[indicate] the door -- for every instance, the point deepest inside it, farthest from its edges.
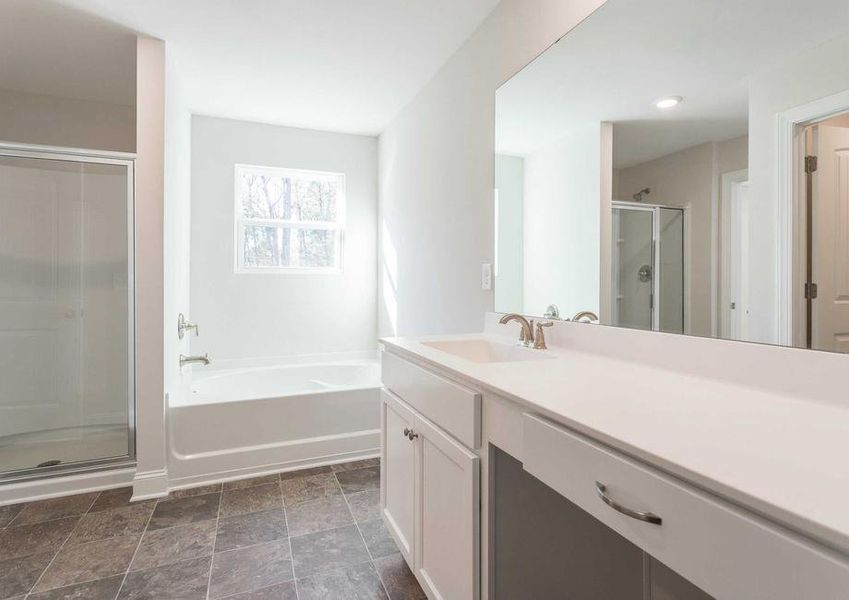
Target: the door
(398, 475)
(633, 270)
(830, 243)
(447, 553)
(40, 300)
(734, 290)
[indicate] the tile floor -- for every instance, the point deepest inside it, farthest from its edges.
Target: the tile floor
(303, 535)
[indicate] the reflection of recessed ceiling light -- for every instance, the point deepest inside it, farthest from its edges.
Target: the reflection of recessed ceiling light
(669, 102)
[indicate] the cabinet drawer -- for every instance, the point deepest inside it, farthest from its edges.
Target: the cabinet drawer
(724, 550)
(453, 407)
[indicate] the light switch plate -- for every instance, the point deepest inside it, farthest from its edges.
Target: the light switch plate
(486, 276)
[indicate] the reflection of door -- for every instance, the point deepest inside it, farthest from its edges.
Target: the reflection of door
(633, 270)
(648, 267)
(39, 295)
(734, 291)
(830, 247)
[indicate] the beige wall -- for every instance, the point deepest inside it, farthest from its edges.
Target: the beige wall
(690, 179)
(151, 478)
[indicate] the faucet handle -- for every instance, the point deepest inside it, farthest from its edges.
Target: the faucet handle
(539, 336)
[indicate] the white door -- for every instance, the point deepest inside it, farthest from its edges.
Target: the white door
(398, 475)
(40, 296)
(447, 552)
(830, 327)
(734, 290)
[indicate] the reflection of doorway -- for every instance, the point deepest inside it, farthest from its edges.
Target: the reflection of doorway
(827, 267)
(734, 254)
(648, 267)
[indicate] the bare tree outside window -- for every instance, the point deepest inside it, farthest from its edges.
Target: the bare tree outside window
(288, 219)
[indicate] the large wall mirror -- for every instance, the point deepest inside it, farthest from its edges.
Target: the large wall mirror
(682, 167)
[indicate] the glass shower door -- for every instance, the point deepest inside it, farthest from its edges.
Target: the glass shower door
(633, 271)
(65, 311)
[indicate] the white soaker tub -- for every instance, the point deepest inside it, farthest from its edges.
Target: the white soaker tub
(248, 419)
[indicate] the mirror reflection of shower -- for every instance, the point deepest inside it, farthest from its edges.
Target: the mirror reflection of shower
(648, 266)
(638, 197)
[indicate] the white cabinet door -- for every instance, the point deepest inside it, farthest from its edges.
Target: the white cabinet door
(398, 475)
(448, 526)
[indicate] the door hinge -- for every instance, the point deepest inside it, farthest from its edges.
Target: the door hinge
(810, 291)
(810, 164)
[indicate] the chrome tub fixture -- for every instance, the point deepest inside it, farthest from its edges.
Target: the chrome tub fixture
(186, 360)
(184, 325)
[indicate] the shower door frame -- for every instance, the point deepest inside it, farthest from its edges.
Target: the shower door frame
(655, 258)
(126, 159)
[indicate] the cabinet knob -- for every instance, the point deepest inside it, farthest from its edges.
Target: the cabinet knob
(410, 434)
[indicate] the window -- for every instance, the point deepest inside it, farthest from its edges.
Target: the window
(288, 221)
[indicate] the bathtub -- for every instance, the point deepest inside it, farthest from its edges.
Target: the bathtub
(241, 420)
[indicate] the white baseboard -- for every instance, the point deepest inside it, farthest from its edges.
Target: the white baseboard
(150, 484)
(80, 483)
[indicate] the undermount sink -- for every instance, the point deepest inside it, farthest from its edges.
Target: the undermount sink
(485, 351)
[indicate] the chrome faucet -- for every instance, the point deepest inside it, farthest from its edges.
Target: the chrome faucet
(585, 316)
(185, 360)
(526, 336)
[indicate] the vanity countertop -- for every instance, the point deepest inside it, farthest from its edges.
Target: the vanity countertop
(779, 456)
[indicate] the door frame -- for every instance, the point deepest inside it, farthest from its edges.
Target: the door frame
(791, 220)
(126, 159)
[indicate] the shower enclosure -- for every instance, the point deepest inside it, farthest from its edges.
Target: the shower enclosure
(66, 311)
(648, 267)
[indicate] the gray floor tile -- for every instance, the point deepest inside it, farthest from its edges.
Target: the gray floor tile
(365, 506)
(316, 515)
(195, 491)
(305, 472)
(186, 580)
(356, 464)
(398, 579)
(117, 498)
(251, 499)
(359, 480)
(359, 581)
(282, 591)
(329, 550)
(377, 538)
(130, 520)
(182, 511)
(102, 589)
(86, 562)
(55, 508)
(36, 538)
(165, 546)
(18, 575)
(251, 568)
(240, 484)
(250, 529)
(309, 487)
(9, 512)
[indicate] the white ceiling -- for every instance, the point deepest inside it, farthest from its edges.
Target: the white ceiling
(338, 65)
(615, 65)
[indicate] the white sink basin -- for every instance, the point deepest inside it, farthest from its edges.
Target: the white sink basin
(485, 351)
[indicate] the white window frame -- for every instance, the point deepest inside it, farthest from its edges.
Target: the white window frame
(242, 222)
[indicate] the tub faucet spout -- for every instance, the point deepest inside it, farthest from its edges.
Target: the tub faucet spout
(185, 360)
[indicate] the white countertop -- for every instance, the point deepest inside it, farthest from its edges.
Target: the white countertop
(783, 457)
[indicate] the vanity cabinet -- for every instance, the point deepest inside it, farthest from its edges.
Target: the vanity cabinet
(430, 500)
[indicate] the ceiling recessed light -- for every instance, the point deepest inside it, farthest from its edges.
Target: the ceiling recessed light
(669, 102)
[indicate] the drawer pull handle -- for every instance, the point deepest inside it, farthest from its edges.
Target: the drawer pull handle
(648, 517)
